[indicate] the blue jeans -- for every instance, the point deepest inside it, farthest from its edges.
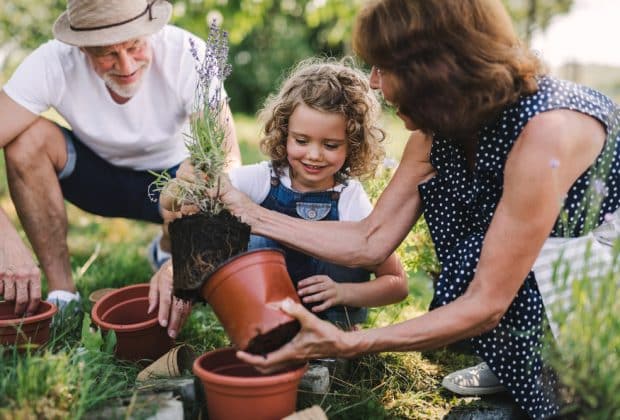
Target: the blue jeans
(98, 187)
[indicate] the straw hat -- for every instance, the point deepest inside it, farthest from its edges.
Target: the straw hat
(89, 23)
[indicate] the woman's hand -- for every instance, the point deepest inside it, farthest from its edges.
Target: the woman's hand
(321, 288)
(172, 311)
(316, 339)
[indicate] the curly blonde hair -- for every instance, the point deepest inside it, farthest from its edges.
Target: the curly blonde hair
(327, 85)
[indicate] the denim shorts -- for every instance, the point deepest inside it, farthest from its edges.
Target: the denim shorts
(96, 186)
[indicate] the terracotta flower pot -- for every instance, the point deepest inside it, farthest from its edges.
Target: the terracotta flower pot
(235, 390)
(243, 293)
(34, 329)
(138, 334)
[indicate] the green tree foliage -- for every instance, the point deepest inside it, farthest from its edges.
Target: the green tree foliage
(28, 23)
(533, 15)
(266, 36)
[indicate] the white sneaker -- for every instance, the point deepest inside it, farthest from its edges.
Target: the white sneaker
(156, 256)
(61, 298)
(472, 381)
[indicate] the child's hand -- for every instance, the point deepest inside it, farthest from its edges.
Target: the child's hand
(320, 288)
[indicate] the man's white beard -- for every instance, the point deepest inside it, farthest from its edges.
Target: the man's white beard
(125, 90)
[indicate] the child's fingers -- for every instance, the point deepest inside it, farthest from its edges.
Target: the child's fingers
(310, 290)
(309, 281)
(317, 297)
(315, 287)
(323, 306)
(324, 296)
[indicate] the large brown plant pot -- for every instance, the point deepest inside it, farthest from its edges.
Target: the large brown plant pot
(24, 331)
(200, 244)
(235, 390)
(244, 293)
(138, 334)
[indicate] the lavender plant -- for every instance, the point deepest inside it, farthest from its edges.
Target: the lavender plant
(206, 141)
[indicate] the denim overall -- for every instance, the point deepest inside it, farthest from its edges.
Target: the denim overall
(321, 205)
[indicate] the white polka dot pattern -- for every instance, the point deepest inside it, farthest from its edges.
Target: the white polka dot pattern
(459, 204)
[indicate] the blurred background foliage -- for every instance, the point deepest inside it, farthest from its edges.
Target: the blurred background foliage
(266, 36)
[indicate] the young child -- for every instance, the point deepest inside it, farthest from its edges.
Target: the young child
(320, 133)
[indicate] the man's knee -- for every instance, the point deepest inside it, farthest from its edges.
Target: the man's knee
(42, 140)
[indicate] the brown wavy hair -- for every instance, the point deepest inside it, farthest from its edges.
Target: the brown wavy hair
(327, 85)
(456, 63)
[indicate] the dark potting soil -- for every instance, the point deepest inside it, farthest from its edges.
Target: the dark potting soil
(274, 339)
(200, 243)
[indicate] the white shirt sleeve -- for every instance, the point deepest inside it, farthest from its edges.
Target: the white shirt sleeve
(253, 180)
(38, 81)
(354, 203)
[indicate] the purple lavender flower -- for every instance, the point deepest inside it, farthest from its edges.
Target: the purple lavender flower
(213, 68)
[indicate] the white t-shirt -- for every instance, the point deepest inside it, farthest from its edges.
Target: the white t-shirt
(255, 181)
(144, 133)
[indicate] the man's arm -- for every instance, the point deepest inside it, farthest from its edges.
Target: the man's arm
(20, 278)
(14, 119)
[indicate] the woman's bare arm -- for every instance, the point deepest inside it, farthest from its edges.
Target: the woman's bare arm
(365, 243)
(533, 187)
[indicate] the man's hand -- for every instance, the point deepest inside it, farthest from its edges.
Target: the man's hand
(172, 311)
(237, 202)
(20, 278)
(321, 288)
(316, 339)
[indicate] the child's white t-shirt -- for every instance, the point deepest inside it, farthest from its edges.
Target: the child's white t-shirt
(255, 181)
(144, 133)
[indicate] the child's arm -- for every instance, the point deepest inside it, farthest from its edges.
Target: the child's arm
(389, 286)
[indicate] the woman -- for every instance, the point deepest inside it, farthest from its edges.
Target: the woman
(498, 150)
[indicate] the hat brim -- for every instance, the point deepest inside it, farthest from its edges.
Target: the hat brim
(143, 26)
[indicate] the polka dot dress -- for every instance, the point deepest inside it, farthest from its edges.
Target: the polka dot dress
(459, 204)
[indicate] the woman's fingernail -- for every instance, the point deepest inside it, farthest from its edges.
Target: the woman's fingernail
(163, 322)
(172, 333)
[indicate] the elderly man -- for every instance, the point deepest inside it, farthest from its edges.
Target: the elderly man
(124, 80)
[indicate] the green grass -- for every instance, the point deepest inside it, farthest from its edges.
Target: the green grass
(111, 253)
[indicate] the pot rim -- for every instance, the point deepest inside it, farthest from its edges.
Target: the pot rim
(49, 311)
(136, 326)
(208, 286)
(242, 254)
(247, 382)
